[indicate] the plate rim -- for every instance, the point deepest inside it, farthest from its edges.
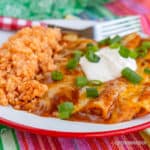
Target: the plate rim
(55, 133)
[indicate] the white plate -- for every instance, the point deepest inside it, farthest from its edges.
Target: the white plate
(56, 127)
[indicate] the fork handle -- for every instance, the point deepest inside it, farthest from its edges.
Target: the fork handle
(87, 32)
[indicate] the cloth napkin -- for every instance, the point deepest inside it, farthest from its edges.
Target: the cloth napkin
(45, 9)
(11, 139)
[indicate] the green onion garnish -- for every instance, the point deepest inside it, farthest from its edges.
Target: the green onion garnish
(131, 75)
(133, 54)
(95, 82)
(115, 45)
(142, 51)
(56, 75)
(91, 92)
(146, 44)
(77, 54)
(81, 81)
(91, 56)
(124, 52)
(65, 110)
(72, 63)
(116, 39)
(104, 41)
(147, 70)
(92, 47)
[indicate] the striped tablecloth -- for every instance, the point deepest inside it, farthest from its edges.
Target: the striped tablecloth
(13, 139)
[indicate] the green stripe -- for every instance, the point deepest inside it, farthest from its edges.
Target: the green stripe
(3, 126)
(1, 144)
(7, 138)
(104, 12)
(16, 140)
(3, 129)
(8, 141)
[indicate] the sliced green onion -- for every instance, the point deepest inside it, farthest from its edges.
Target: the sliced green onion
(130, 75)
(116, 39)
(72, 63)
(77, 54)
(95, 82)
(56, 75)
(115, 45)
(147, 70)
(104, 41)
(81, 81)
(133, 54)
(91, 92)
(92, 57)
(65, 110)
(146, 44)
(124, 52)
(92, 47)
(142, 51)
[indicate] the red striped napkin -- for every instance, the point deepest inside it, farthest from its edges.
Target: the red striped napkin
(9, 23)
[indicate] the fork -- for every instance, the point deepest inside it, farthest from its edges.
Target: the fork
(89, 29)
(99, 31)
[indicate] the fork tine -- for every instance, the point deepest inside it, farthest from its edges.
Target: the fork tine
(128, 32)
(120, 20)
(119, 30)
(120, 27)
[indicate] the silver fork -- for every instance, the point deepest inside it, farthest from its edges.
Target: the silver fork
(99, 31)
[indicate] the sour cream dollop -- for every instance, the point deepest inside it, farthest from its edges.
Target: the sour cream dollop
(109, 67)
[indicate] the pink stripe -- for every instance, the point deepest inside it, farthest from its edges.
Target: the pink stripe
(113, 143)
(136, 142)
(82, 143)
(28, 23)
(20, 141)
(134, 5)
(148, 24)
(130, 139)
(145, 25)
(107, 143)
(121, 139)
(66, 143)
(56, 143)
(24, 140)
(125, 138)
(92, 143)
(28, 138)
(97, 144)
(119, 9)
(4, 25)
(118, 143)
(14, 23)
(45, 142)
(35, 142)
(51, 143)
(39, 137)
